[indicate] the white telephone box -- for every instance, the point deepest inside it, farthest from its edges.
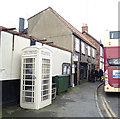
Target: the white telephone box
(36, 78)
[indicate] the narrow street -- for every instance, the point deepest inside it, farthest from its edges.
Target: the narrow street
(76, 102)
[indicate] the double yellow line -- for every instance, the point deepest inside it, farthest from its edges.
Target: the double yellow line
(107, 108)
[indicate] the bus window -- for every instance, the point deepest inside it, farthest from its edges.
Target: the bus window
(114, 34)
(114, 62)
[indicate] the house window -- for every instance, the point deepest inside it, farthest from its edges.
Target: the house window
(101, 51)
(93, 53)
(66, 69)
(77, 45)
(88, 50)
(83, 47)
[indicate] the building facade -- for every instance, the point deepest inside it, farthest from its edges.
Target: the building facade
(94, 41)
(48, 24)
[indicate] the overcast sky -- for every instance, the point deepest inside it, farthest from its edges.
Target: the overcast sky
(98, 14)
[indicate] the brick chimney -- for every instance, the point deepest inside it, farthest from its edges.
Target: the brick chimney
(85, 28)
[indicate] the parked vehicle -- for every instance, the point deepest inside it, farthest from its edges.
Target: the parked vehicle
(112, 62)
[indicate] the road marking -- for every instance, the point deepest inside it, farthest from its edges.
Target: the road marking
(99, 111)
(107, 108)
(96, 98)
(108, 113)
(114, 115)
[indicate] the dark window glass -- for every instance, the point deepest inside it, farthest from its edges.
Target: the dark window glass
(28, 88)
(28, 76)
(28, 93)
(45, 97)
(114, 34)
(114, 62)
(45, 92)
(32, 42)
(28, 99)
(28, 82)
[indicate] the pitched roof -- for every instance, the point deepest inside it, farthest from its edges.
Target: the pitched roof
(72, 28)
(10, 30)
(90, 36)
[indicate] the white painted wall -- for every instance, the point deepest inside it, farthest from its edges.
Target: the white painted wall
(6, 55)
(10, 60)
(19, 44)
(58, 58)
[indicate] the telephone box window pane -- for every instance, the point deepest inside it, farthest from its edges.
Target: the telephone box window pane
(28, 99)
(45, 76)
(28, 93)
(45, 97)
(28, 79)
(29, 60)
(45, 81)
(45, 92)
(28, 88)
(28, 71)
(28, 82)
(45, 87)
(29, 66)
(28, 76)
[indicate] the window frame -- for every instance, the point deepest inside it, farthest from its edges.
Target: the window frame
(89, 50)
(112, 60)
(117, 36)
(77, 45)
(93, 52)
(67, 65)
(82, 47)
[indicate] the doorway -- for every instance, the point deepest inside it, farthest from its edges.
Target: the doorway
(83, 71)
(75, 74)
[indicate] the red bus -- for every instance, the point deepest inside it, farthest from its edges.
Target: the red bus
(112, 62)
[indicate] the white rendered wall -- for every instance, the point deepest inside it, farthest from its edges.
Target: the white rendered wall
(10, 59)
(58, 58)
(6, 55)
